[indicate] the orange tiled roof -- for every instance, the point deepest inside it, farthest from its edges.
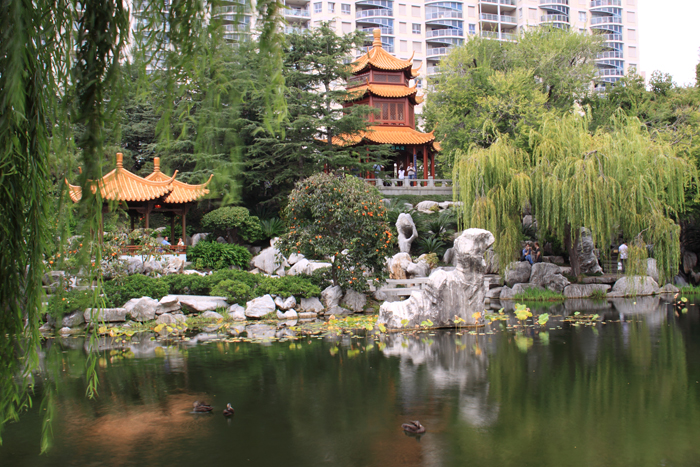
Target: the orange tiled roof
(380, 58)
(382, 90)
(386, 135)
(182, 192)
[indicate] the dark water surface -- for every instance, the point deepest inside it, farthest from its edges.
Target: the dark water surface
(623, 393)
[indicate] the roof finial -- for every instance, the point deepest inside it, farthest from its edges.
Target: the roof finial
(119, 160)
(377, 38)
(156, 164)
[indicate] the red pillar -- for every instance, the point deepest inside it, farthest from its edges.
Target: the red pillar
(425, 162)
(432, 165)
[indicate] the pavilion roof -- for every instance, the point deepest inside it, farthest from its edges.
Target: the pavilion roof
(385, 90)
(182, 192)
(380, 59)
(387, 135)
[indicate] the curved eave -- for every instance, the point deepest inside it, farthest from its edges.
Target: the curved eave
(181, 192)
(387, 135)
(380, 59)
(383, 90)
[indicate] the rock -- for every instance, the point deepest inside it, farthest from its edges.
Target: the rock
(46, 327)
(180, 317)
(142, 309)
(259, 307)
(312, 304)
(449, 256)
(188, 272)
(338, 311)
(604, 279)
(652, 270)
(529, 222)
(669, 288)
(354, 300)
(285, 304)
(175, 266)
(492, 262)
(236, 312)
(315, 265)
(166, 318)
(134, 265)
(260, 331)
(221, 240)
(493, 280)
(517, 272)
(428, 207)
(558, 260)
(74, 319)
(446, 204)
(331, 296)
(407, 232)
(418, 269)
(201, 303)
(447, 293)
(168, 304)
(300, 267)
(547, 275)
(152, 267)
(294, 258)
(695, 277)
(290, 314)
(211, 315)
(566, 271)
(108, 315)
(680, 281)
(584, 290)
(269, 260)
(398, 265)
(690, 260)
(636, 285)
(586, 253)
(494, 294)
(53, 277)
(65, 330)
(307, 315)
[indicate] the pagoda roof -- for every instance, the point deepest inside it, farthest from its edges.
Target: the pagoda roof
(385, 90)
(182, 192)
(380, 59)
(123, 185)
(387, 135)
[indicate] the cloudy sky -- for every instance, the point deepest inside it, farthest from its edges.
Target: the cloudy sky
(669, 35)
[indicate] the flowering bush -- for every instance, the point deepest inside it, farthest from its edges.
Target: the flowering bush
(342, 219)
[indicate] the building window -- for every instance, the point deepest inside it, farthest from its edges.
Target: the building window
(404, 46)
(402, 28)
(347, 28)
(632, 68)
(418, 47)
(416, 28)
(633, 52)
(318, 7)
(582, 16)
(472, 12)
(632, 34)
(345, 8)
(631, 17)
(415, 11)
(331, 7)
(389, 111)
(472, 29)
(520, 12)
(402, 9)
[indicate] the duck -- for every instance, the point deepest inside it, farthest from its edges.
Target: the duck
(201, 407)
(228, 411)
(413, 427)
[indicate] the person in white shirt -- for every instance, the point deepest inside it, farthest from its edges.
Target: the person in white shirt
(402, 174)
(623, 255)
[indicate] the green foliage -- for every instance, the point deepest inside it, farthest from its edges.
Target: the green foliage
(522, 312)
(187, 284)
(636, 263)
(118, 292)
(432, 245)
(321, 278)
(288, 285)
(690, 290)
(216, 255)
(234, 291)
(273, 227)
(250, 279)
(598, 295)
(66, 302)
(539, 295)
(343, 219)
(234, 222)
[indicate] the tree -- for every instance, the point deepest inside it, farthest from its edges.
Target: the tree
(235, 222)
(616, 181)
(342, 219)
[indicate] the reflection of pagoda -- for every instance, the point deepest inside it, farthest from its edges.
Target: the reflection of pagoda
(156, 192)
(382, 81)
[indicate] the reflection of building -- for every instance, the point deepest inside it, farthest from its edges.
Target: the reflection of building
(382, 81)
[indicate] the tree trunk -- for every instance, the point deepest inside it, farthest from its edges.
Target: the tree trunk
(572, 250)
(334, 269)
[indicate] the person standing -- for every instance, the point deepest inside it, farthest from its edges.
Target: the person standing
(411, 173)
(623, 256)
(402, 174)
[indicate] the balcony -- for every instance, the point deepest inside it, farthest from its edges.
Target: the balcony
(291, 30)
(502, 2)
(554, 19)
(433, 69)
(444, 33)
(437, 51)
(497, 19)
(371, 13)
(609, 72)
(443, 14)
(612, 37)
(385, 31)
(599, 3)
(606, 20)
(554, 2)
(612, 54)
(297, 12)
(504, 36)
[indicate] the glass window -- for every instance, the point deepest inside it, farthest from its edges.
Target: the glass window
(402, 28)
(582, 16)
(520, 12)
(415, 11)
(402, 9)
(418, 47)
(331, 7)
(318, 7)
(347, 28)
(345, 8)
(416, 28)
(472, 29)
(404, 46)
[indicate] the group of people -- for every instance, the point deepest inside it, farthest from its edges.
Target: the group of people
(410, 174)
(531, 253)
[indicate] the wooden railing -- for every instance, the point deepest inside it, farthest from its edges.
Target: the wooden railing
(134, 250)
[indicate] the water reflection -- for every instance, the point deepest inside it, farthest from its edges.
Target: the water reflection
(622, 392)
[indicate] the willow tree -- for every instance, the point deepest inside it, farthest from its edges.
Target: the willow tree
(615, 181)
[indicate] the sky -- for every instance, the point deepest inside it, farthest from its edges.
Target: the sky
(669, 37)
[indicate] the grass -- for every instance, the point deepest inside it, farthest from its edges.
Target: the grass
(690, 290)
(539, 295)
(415, 199)
(598, 295)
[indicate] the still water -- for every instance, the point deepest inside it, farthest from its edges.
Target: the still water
(624, 392)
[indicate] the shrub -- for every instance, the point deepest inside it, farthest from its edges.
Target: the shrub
(321, 278)
(187, 284)
(218, 255)
(272, 228)
(233, 222)
(234, 291)
(343, 219)
(431, 245)
(64, 303)
(118, 292)
(251, 280)
(286, 286)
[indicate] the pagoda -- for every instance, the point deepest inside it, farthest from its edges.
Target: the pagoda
(140, 196)
(382, 81)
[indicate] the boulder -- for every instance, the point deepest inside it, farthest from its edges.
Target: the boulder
(690, 260)
(547, 275)
(493, 280)
(652, 270)
(635, 285)
(680, 281)
(558, 260)
(354, 300)
(584, 290)
(286, 304)
(428, 207)
(494, 294)
(46, 327)
(134, 265)
(74, 319)
(299, 267)
(259, 307)
(289, 314)
(180, 317)
(508, 293)
(175, 266)
(53, 277)
(669, 288)
(307, 315)
(447, 294)
(294, 258)
(189, 272)
(312, 304)
(529, 222)
(270, 261)
(331, 296)
(152, 267)
(338, 311)
(166, 318)
(315, 265)
(418, 269)
(446, 204)
(586, 254)
(492, 263)
(398, 265)
(449, 256)
(142, 309)
(407, 232)
(221, 240)
(168, 304)
(65, 330)
(201, 303)
(517, 272)
(236, 312)
(211, 315)
(108, 315)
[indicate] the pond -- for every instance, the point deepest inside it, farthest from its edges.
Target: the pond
(622, 392)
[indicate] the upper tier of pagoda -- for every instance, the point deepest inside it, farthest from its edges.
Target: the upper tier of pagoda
(123, 185)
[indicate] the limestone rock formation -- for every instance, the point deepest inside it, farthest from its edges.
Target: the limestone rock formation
(175, 266)
(211, 315)
(331, 296)
(353, 300)
(448, 293)
(584, 290)
(285, 304)
(152, 267)
(169, 304)
(269, 260)
(586, 254)
(236, 312)
(428, 207)
(652, 270)
(312, 304)
(108, 315)
(517, 272)
(548, 275)
(142, 309)
(259, 307)
(407, 232)
(134, 265)
(398, 265)
(635, 285)
(201, 303)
